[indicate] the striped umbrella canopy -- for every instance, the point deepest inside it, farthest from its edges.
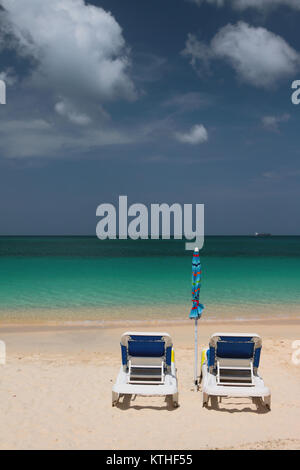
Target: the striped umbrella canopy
(197, 308)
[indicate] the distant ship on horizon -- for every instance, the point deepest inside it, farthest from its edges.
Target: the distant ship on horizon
(262, 235)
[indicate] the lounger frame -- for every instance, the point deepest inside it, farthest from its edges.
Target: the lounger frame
(212, 385)
(128, 381)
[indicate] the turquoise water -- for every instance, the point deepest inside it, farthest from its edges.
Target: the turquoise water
(67, 275)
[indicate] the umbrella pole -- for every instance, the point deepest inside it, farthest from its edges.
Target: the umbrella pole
(196, 354)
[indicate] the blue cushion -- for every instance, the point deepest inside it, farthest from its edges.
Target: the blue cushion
(146, 338)
(234, 350)
(236, 339)
(124, 354)
(146, 348)
(211, 356)
(168, 355)
(208, 358)
(257, 357)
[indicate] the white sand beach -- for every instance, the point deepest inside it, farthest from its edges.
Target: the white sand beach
(55, 392)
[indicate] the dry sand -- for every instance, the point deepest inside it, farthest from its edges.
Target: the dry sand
(55, 393)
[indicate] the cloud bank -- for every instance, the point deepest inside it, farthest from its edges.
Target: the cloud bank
(77, 50)
(76, 62)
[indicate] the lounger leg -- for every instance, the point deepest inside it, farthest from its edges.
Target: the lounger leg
(115, 398)
(205, 398)
(267, 402)
(175, 400)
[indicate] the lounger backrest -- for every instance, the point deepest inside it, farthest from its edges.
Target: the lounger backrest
(146, 345)
(234, 346)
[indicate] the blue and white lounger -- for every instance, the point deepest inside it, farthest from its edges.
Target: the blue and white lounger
(148, 366)
(230, 367)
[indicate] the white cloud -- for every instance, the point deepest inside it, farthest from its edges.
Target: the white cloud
(66, 109)
(199, 53)
(197, 135)
(27, 132)
(258, 56)
(258, 4)
(38, 138)
(272, 122)
(77, 50)
(8, 76)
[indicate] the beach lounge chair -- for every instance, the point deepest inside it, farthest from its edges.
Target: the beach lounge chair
(230, 368)
(148, 367)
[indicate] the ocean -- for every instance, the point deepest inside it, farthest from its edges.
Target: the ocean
(85, 279)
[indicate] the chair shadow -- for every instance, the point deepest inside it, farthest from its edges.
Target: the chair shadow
(125, 404)
(260, 407)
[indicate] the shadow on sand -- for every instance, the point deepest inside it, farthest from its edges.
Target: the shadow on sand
(125, 403)
(220, 405)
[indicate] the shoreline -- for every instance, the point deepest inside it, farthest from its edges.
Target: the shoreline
(106, 317)
(32, 326)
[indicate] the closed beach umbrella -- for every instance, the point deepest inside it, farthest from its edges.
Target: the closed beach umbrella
(197, 308)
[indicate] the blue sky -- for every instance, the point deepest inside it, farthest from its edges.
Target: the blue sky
(164, 101)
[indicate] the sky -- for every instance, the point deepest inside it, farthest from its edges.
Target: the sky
(184, 101)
